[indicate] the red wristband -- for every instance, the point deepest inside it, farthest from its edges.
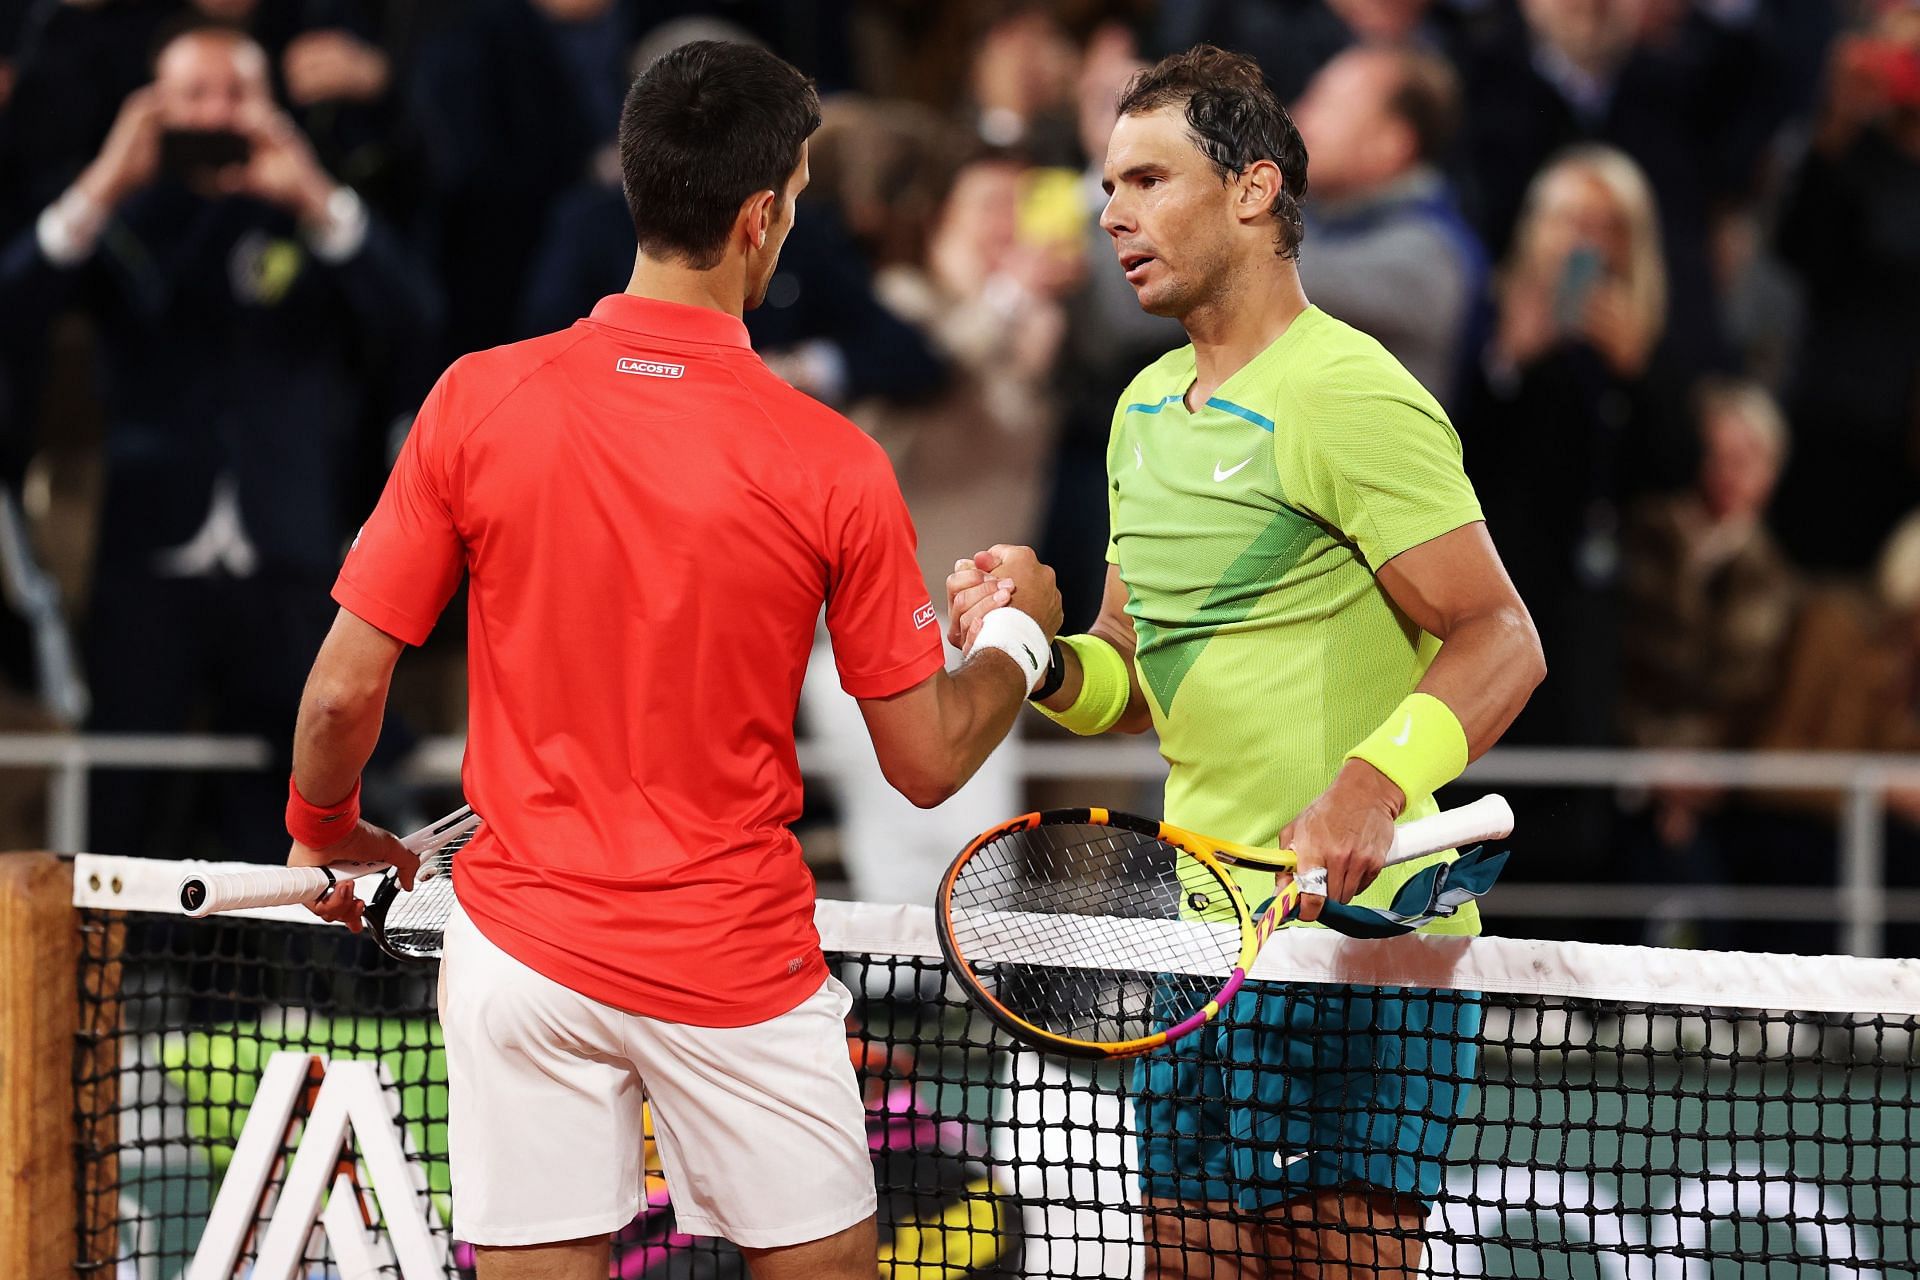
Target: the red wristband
(317, 827)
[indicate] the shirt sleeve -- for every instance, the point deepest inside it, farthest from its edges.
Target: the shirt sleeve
(1385, 469)
(407, 559)
(886, 632)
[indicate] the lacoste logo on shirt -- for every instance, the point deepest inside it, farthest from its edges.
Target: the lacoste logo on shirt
(1219, 475)
(649, 368)
(924, 616)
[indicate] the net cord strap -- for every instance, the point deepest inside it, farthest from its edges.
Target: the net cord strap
(1703, 979)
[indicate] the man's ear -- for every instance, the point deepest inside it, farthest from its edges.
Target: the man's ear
(1257, 188)
(757, 216)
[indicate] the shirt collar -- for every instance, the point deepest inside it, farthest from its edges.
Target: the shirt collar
(672, 320)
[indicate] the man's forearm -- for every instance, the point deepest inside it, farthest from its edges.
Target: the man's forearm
(332, 742)
(1135, 719)
(1487, 668)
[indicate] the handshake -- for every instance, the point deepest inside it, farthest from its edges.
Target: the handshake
(999, 577)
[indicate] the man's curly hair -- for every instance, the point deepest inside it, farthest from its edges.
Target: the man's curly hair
(1234, 119)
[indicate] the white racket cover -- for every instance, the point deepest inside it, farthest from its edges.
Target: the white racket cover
(214, 891)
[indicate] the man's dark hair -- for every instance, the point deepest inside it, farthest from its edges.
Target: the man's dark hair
(703, 128)
(1234, 119)
(1428, 99)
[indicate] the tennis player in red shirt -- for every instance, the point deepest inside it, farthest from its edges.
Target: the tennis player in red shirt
(651, 523)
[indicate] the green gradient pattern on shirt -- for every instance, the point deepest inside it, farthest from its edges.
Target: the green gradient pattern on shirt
(1247, 531)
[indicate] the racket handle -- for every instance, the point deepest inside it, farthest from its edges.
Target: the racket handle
(213, 891)
(1488, 818)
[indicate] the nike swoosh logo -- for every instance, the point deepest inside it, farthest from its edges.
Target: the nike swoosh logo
(1139, 459)
(1281, 1162)
(1219, 475)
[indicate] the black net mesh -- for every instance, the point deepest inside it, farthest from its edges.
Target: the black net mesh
(1326, 1131)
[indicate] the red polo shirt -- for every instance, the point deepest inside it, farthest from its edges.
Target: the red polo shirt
(651, 522)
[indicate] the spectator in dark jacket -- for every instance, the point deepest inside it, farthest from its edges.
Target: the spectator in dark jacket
(240, 306)
(1850, 229)
(1572, 417)
(512, 99)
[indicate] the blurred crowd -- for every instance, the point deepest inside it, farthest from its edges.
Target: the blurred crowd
(1660, 259)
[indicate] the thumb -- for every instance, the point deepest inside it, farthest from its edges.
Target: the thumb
(986, 561)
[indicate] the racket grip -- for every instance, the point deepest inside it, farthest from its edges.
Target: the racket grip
(214, 891)
(1488, 818)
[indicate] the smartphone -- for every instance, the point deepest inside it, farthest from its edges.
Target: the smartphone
(189, 152)
(1578, 276)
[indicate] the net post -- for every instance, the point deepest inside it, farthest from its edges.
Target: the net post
(1863, 866)
(39, 956)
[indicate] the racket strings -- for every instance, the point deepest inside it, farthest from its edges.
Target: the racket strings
(1091, 932)
(414, 923)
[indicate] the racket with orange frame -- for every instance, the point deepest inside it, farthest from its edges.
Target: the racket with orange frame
(1097, 934)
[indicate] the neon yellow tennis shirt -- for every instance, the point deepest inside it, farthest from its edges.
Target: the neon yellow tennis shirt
(1248, 531)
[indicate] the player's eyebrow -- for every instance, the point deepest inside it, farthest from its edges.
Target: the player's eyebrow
(1133, 173)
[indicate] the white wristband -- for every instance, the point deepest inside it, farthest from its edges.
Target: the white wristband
(1018, 636)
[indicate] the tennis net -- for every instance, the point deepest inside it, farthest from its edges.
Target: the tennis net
(1623, 1112)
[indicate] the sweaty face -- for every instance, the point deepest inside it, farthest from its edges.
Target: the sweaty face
(210, 82)
(1168, 212)
(766, 258)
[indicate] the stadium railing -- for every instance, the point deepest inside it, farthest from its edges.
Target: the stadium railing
(1860, 900)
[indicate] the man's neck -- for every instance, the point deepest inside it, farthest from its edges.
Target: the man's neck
(1247, 318)
(721, 288)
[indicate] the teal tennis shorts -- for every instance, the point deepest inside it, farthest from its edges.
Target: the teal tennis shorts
(1293, 1088)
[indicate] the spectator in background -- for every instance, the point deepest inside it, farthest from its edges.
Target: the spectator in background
(1709, 597)
(242, 297)
(1709, 604)
(1293, 39)
(1108, 340)
(512, 98)
(1020, 85)
(973, 464)
(1677, 88)
(1571, 420)
(1852, 684)
(1849, 228)
(1392, 254)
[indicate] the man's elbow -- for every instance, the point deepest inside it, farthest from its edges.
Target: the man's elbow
(1530, 659)
(344, 700)
(924, 787)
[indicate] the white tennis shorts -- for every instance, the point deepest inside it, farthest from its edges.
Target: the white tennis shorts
(760, 1129)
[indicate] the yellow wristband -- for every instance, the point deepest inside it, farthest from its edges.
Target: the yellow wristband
(1105, 687)
(1421, 747)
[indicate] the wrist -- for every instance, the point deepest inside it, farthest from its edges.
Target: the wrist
(1018, 636)
(1056, 674)
(1362, 782)
(318, 826)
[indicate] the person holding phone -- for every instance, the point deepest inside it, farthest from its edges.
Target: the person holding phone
(1575, 411)
(241, 298)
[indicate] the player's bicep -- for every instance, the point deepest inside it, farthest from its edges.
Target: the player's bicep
(1451, 579)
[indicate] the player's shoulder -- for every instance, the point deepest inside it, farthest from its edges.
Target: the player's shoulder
(820, 438)
(1335, 374)
(479, 382)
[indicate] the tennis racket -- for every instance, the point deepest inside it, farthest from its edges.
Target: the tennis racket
(1097, 934)
(406, 924)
